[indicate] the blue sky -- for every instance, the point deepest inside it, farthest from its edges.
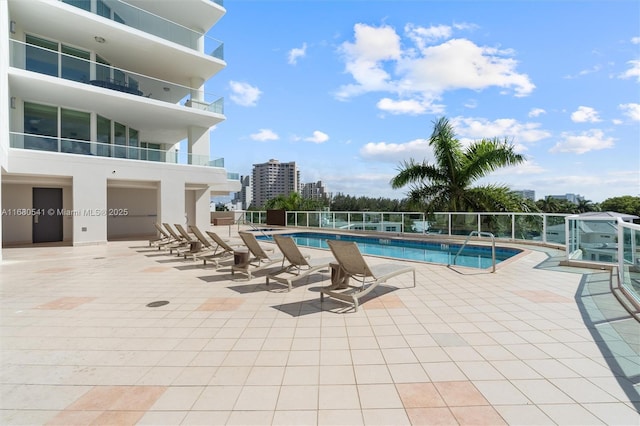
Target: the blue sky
(350, 89)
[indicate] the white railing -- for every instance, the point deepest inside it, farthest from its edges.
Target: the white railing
(543, 228)
(629, 260)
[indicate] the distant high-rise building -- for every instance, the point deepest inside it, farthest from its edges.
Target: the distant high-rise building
(274, 178)
(315, 191)
(242, 199)
(572, 198)
(529, 194)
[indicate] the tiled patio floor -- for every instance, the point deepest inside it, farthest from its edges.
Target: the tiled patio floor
(533, 343)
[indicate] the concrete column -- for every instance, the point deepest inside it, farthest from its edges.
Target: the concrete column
(203, 212)
(171, 201)
(198, 146)
(89, 213)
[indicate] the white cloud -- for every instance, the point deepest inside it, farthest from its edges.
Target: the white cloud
(408, 106)
(536, 112)
(422, 36)
(479, 128)
(631, 110)
(297, 52)
(244, 94)
(362, 59)
(318, 137)
(585, 115)
(635, 40)
(417, 149)
(378, 63)
(633, 71)
(264, 135)
(592, 140)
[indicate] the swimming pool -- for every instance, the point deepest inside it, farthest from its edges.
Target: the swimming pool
(433, 252)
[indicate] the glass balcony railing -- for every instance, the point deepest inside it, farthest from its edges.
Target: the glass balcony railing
(143, 20)
(535, 227)
(99, 149)
(38, 59)
(628, 239)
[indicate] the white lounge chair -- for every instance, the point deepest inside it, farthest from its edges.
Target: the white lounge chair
(353, 265)
(299, 266)
(258, 257)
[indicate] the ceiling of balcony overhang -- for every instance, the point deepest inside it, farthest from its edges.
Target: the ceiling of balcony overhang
(124, 47)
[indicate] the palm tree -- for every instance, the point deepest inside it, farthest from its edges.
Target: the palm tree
(447, 184)
(549, 204)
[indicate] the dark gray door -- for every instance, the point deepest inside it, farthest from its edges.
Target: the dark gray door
(47, 222)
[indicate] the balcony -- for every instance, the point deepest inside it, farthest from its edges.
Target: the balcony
(131, 16)
(108, 150)
(71, 66)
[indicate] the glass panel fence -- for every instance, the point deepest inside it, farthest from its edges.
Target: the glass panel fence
(41, 56)
(143, 20)
(119, 149)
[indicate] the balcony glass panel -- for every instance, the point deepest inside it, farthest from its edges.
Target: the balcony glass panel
(75, 64)
(104, 137)
(82, 4)
(134, 151)
(143, 20)
(76, 126)
(41, 56)
(119, 140)
(103, 10)
(42, 121)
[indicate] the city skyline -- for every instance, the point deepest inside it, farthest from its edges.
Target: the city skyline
(349, 90)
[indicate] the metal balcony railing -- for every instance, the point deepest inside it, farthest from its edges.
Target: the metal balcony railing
(42, 60)
(148, 22)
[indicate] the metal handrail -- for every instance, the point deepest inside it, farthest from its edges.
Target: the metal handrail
(479, 234)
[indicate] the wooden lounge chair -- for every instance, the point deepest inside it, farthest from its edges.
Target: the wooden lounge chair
(353, 265)
(258, 257)
(299, 265)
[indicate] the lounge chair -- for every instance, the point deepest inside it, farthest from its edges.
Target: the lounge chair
(206, 246)
(299, 265)
(193, 244)
(351, 264)
(258, 257)
(178, 240)
(161, 238)
(222, 251)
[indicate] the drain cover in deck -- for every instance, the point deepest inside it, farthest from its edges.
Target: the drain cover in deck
(157, 304)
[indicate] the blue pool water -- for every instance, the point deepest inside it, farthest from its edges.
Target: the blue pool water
(433, 252)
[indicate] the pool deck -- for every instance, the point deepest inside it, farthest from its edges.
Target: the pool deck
(535, 343)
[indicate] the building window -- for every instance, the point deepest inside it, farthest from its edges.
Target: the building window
(41, 120)
(119, 140)
(75, 126)
(76, 64)
(82, 4)
(134, 151)
(41, 56)
(104, 136)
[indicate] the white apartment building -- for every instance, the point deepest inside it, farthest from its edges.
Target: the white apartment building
(97, 96)
(315, 191)
(274, 178)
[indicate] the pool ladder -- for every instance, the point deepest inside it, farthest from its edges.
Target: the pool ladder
(479, 234)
